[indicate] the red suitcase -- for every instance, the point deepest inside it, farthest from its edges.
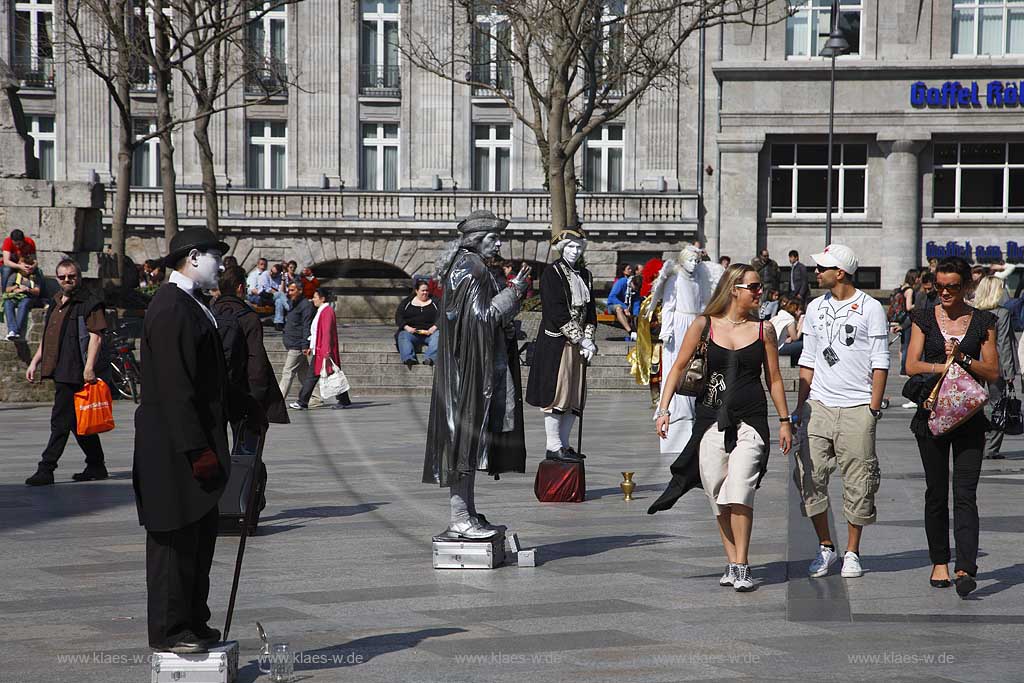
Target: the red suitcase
(560, 482)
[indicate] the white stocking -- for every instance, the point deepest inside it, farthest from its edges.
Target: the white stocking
(565, 429)
(551, 431)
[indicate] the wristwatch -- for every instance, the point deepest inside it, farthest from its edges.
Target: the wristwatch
(877, 414)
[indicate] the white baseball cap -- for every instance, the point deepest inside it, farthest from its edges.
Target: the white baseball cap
(837, 256)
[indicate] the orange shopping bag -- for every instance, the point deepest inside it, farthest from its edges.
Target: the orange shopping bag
(94, 409)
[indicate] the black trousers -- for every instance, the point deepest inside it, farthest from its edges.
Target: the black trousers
(63, 423)
(308, 384)
(178, 578)
(967, 451)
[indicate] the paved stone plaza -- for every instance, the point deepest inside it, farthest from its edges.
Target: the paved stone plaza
(342, 569)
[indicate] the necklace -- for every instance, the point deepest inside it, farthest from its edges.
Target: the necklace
(735, 322)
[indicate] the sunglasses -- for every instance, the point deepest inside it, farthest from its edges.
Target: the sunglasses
(65, 278)
(754, 288)
(825, 269)
(952, 288)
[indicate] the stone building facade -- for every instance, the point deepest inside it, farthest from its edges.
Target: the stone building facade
(366, 165)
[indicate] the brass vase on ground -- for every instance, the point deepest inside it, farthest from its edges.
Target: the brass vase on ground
(627, 485)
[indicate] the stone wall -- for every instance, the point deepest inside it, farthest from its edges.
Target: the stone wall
(14, 359)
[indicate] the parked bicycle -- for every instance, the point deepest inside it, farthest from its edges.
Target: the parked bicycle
(126, 373)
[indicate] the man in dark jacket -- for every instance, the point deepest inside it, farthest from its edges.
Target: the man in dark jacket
(182, 460)
(296, 337)
(798, 284)
(476, 408)
(67, 354)
(768, 270)
(256, 379)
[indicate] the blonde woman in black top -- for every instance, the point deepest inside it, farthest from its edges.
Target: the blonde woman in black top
(931, 343)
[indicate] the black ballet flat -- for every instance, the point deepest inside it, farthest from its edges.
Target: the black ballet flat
(940, 583)
(965, 584)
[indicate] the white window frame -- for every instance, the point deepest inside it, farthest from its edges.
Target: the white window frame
(604, 143)
(34, 8)
(266, 15)
(812, 11)
(268, 141)
(39, 137)
(493, 143)
(838, 166)
(380, 142)
(1006, 166)
(607, 17)
(1006, 6)
(380, 17)
(152, 146)
(493, 19)
(151, 32)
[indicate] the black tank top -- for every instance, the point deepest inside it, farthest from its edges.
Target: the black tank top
(733, 392)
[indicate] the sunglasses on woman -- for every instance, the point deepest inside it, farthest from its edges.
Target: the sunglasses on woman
(753, 287)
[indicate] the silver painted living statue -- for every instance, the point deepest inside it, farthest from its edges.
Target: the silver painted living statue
(476, 408)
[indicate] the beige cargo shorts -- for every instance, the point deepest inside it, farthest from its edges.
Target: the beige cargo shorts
(843, 437)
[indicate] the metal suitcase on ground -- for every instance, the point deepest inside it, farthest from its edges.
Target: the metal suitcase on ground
(467, 554)
(219, 665)
(247, 470)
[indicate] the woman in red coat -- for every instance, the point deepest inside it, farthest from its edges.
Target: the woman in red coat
(323, 345)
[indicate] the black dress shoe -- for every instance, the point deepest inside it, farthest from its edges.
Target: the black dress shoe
(552, 455)
(964, 585)
(573, 451)
(40, 478)
(209, 636)
(411, 362)
(429, 363)
(940, 583)
(186, 643)
(91, 474)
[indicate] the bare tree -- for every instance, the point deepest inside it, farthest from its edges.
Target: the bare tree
(582, 64)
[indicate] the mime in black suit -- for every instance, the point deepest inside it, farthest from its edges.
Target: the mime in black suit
(182, 459)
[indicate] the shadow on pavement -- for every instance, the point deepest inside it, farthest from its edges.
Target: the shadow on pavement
(612, 491)
(268, 527)
(26, 506)
(587, 547)
(1006, 578)
(353, 653)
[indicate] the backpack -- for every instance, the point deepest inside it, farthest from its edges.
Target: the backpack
(897, 312)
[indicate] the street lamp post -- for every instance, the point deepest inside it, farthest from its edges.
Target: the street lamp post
(835, 46)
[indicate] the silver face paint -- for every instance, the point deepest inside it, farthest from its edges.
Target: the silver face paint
(572, 251)
(204, 268)
(490, 245)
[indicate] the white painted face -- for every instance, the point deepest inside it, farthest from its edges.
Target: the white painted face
(572, 251)
(203, 267)
(490, 245)
(689, 260)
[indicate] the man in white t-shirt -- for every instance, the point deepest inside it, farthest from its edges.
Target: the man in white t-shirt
(843, 369)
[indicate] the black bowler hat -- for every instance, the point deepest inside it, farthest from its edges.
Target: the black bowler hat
(192, 238)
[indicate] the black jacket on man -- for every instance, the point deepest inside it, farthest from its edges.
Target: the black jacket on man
(260, 382)
(182, 411)
(799, 285)
(296, 325)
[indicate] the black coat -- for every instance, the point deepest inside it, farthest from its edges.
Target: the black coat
(555, 296)
(296, 325)
(477, 391)
(800, 285)
(182, 411)
(262, 383)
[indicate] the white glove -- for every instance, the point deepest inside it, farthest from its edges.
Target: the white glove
(587, 349)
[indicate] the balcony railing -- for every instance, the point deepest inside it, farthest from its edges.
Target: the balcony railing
(531, 210)
(266, 77)
(29, 75)
(377, 80)
(499, 78)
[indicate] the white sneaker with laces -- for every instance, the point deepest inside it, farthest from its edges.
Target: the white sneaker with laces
(825, 559)
(743, 581)
(729, 577)
(851, 566)
(908, 405)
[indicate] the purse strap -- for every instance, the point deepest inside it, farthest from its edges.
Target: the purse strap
(702, 347)
(930, 401)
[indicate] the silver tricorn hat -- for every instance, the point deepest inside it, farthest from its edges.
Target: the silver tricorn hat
(482, 220)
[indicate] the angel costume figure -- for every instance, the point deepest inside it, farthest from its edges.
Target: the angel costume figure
(565, 343)
(476, 409)
(684, 289)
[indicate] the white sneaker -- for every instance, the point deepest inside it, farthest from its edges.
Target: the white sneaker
(851, 566)
(743, 581)
(12, 335)
(729, 577)
(632, 336)
(825, 559)
(908, 405)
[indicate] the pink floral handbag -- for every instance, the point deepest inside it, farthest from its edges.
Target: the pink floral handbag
(956, 398)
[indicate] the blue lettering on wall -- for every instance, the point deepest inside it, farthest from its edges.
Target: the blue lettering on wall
(980, 254)
(957, 95)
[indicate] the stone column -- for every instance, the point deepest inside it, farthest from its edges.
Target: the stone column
(901, 208)
(738, 198)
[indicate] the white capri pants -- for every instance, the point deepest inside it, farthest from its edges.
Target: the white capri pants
(730, 478)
